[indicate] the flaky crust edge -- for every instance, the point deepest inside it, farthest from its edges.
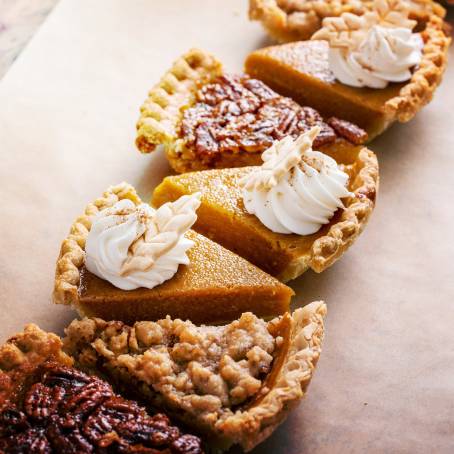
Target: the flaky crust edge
(422, 85)
(161, 111)
(32, 346)
(251, 427)
(72, 251)
(280, 25)
(328, 248)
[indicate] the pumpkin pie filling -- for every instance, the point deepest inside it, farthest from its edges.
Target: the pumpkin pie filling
(222, 215)
(215, 286)
(301, 70)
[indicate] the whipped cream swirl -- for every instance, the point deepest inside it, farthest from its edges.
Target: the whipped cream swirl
(297, 189)
(385, 55)
(374, 49)
(135, 246)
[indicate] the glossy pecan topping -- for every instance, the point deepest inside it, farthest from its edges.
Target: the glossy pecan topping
(348, 130)
(64, 410)
(236, 113)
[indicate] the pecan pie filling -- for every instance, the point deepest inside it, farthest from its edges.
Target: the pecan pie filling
(55, 408)
(238, 114)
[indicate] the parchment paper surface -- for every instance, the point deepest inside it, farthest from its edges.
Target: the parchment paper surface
(385, 381)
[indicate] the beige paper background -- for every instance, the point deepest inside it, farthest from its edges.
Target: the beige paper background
(385, 382)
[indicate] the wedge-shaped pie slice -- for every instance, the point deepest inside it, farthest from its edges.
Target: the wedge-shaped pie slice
(294, 20)
(208, 119)
(216, 285)
(234, 384)
(302, 71)
(48, 406)
(223, 217)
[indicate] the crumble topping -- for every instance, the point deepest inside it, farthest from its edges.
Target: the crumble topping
(60, 409)
(238, 114)
(205, 370)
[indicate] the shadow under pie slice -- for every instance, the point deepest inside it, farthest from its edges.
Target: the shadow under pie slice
(294, 20)
(223, 217)
(302, 71)
(215, 287)
(48, 406)
(208, 119)
(234, 384)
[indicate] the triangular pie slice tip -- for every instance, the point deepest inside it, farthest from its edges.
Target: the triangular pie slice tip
(215, 287)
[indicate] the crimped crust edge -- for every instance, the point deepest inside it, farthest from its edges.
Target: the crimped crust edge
(328, 248)
(161, 111)
(260, 421)
(72, 253)
(420, 89)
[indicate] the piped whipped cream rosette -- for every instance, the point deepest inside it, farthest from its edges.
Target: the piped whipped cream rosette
(297, 189)
(374, 49)
(135, 246)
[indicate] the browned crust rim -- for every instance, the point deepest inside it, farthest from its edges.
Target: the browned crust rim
(161, 111)
(301, 25)
(327, 249)
(72, 251)
(421, 87)
(330, 247)
(258, 422)
(31, 347)
(251, 425)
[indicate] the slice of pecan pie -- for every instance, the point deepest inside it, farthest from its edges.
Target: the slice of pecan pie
(208, 119)
(48, 406)
(214, 286)
(233, 383)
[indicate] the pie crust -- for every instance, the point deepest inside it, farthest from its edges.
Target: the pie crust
(145, 358)
(223, 218)
(164, 113)
(46, 405)
(295, 20)
(202, 291)
(30, 348)
(301, 70)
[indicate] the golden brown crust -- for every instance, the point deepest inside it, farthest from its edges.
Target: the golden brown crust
(328, 248)
(31, 347)
(301, 18)
(72, 255)
(420, 90)
(161, 111)
(302, 334)
(249, 428)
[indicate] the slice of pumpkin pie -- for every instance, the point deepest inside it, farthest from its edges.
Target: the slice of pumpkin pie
(124, 260)
(301, 209)
(233, 384)
(372, 69)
